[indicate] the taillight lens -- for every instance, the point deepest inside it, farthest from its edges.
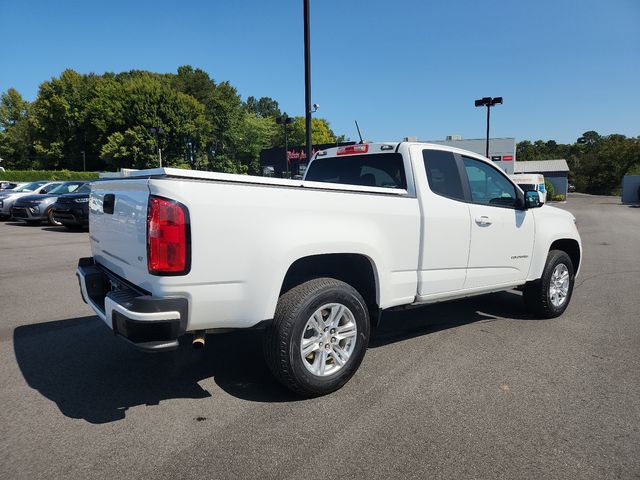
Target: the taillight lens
(168, 238)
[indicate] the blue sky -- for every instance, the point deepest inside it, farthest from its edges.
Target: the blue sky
(399, 67)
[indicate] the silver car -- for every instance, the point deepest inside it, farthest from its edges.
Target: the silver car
(8, 198)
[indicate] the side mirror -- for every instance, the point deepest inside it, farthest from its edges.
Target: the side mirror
(532, 199)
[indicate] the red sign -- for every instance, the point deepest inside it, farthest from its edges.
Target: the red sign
(507, 158)
(300, 155)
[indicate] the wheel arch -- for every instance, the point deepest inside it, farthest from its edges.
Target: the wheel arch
(564, 242)
(357, 270)
(571, 248)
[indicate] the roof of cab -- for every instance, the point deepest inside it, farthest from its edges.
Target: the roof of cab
(376, 147)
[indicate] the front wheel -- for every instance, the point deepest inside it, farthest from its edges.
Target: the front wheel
(318, 336)
(550, 295)
(51, 220)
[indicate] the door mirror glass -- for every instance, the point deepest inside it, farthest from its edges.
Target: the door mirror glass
(532, 199)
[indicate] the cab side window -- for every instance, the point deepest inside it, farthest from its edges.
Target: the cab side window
(488, 186)
(443, 174)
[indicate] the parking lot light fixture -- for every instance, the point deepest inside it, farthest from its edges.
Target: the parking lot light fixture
(488, 102)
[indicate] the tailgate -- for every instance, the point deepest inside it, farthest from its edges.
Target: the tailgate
(118, 227)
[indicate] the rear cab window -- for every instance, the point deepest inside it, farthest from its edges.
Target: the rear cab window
(443, 174)
(385, 170)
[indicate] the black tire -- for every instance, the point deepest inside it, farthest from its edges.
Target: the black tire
(51, 220)
(536, 295)
(282, 340)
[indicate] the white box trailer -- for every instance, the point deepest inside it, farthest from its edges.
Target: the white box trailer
(531, 181)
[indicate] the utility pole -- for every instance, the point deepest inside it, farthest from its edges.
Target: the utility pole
(307, 78)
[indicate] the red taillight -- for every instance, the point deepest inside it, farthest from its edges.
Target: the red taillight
(353, 149)
(168, 248)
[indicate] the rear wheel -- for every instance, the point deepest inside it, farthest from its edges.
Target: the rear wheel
(318, 336)
(549, 297)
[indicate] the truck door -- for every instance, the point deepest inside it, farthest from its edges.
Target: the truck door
(446, 222)
(502, 235)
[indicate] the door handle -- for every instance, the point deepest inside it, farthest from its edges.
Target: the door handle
(483, 220)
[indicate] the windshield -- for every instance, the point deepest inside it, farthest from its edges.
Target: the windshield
(29, 187)
(68, 187)
(86, 188)
(379, 170)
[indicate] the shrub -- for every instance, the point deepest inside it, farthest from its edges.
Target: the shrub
(35, 175)
(558, 198)
(551, 191)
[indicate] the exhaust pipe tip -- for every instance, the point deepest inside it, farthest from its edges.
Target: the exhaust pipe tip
(198, 339)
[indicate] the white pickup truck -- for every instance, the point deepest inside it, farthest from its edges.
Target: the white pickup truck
(314, 262)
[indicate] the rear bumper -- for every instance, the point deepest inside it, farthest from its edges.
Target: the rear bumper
(150, 323)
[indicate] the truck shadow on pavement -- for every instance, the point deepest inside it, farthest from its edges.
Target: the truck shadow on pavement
(90, 375)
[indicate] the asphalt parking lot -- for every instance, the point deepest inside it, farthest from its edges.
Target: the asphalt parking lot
(468, 389)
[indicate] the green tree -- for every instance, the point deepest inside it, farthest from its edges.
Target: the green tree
(264, 107)
(60, 127)
(107, 117)
(15, 133)
(257, 133)
(590, 138)
(320, 133)
(133, 148)
(149, 102)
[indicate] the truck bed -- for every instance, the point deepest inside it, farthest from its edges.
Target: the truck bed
(255, 180)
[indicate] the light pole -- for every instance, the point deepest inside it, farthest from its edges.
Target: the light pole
(488, 102)
(307, 78)
(156, 131)
(84, 161)
(285, 120)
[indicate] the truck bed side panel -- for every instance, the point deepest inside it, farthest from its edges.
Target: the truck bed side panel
(245, 238)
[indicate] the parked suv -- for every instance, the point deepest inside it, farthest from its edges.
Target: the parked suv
(37, 208)
(8, 198)
(4, 186)
(72, 209)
